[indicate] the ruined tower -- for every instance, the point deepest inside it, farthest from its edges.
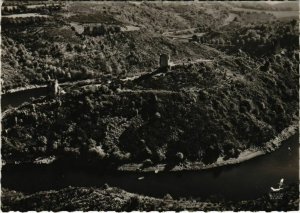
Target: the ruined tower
(164, 61)
(54, 88)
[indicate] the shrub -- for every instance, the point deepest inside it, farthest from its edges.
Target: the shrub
(168, 197)
(211, 155)
(133, 203)
(158, 156)
(179, 156)
(98, 152)
(42, 140)
(247, 104)
(147, 163)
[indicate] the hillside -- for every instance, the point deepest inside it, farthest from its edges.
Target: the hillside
(153, 118)
(107, 198)
(121, 39)
(282, 6)
(147, 88)
(53, 47)
(242, 99)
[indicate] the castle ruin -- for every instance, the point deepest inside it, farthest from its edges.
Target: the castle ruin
(54, 88)
(164, 61)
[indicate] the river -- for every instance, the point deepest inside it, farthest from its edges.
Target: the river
(15, 99)
(247, 180)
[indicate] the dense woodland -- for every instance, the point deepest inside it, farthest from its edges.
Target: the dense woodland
(154, 119)
(107, 198)
(244, 90)
(243, 93)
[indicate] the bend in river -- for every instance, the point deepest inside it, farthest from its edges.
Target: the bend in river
(248, 180)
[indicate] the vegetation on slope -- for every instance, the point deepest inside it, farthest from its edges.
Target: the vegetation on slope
(109, 198)
(195, 112)
(190, 113)
(37, 51)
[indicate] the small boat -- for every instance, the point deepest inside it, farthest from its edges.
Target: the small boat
(280, 186)
(141, 178)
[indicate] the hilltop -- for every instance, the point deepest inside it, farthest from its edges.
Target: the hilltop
(194, 112)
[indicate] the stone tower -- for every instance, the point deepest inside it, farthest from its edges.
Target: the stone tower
(164, 61)
(54, 87)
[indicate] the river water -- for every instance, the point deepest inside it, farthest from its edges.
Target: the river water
(17, 98)
(247, 180)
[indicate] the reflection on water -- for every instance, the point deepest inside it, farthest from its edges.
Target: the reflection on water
(248, 180)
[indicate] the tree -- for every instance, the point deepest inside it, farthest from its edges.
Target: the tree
(91, 143)
(69, 76)
(133, 203)
(168, 197)
(211, 155)
(294, 23)
(98, 152)
(179, 156)
(195, 38)
(69, 47)
(147, 163)
(159, 155)
(108, 68)
(5, 9)
(221, 41)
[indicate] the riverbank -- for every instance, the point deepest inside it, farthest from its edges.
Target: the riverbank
(246, 155)
(262, 172)
(141, 122)
(112, 198)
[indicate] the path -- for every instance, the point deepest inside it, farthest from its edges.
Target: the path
(186, 34)
(24, 15)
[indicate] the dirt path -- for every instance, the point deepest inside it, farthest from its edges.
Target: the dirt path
(186, 62)
(186, 34)
(24, 15)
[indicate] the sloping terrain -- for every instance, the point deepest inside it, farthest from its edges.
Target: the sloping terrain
(53, 48)
(196, 112)
(232, 87)
(110, 198)
(39, 49)
(199, 111)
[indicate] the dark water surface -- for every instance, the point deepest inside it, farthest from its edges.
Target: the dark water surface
(248, 180)
(17, 98)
